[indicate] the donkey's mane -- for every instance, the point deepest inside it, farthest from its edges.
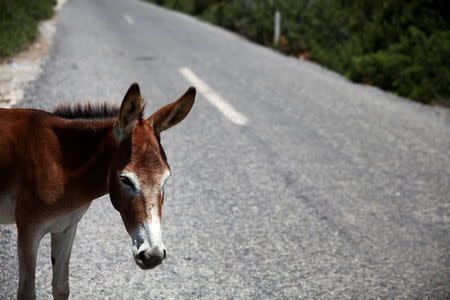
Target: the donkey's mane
(89, 110)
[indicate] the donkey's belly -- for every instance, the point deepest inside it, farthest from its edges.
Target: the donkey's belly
(7, 208)
(61, 223)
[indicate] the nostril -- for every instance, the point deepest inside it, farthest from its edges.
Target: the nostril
(165, 254)
(146, 260)
(141, 256)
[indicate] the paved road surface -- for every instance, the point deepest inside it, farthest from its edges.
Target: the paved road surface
(329, 190)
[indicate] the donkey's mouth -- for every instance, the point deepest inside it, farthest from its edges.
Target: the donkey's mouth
(147, 260)
(148, 266)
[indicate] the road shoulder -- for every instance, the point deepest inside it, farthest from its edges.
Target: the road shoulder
(25, 66)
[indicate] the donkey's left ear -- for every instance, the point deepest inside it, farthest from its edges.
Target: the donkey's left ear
(131, 107)
(173, 113)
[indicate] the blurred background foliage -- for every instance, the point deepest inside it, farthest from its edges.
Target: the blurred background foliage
(19, 22)
(400, 46)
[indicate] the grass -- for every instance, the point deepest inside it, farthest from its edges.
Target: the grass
(19, 23)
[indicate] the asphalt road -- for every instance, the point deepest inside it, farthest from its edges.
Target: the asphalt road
(330, 190)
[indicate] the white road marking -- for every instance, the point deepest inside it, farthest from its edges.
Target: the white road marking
(60, 4)
(215, 99)
(129, 19)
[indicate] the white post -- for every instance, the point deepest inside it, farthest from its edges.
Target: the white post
(276, 31)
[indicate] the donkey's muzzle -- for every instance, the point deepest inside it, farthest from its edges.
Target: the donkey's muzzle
(149, 259)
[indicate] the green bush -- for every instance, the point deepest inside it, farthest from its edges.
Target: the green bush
(401, 46)
(18, 22)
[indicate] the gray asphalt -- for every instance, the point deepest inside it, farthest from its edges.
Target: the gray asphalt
(331, 190)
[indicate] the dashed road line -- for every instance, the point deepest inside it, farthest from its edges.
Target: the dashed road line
(129, 19)
(214, 98)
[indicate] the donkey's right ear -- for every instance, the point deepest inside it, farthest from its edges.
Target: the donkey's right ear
(130, 109)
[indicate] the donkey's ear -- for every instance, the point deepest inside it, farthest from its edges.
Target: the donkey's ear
(131, 107)
(173, 113)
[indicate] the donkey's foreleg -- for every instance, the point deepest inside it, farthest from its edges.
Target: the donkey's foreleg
(27, 248)
(61, 248)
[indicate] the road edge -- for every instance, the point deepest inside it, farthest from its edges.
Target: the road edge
(25, 66)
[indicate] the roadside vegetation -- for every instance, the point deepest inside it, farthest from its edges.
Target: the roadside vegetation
(400, 46)
(19, 23)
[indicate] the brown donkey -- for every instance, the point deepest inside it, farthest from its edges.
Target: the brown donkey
(54, 164)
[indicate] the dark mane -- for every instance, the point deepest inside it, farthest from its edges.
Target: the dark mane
(89, 110)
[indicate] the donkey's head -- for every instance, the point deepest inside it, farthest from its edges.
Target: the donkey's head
(139, 170)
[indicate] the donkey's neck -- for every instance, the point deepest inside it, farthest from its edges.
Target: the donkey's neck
(87, 149)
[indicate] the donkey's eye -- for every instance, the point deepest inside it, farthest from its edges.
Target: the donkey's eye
(127, 181)
(130, 182)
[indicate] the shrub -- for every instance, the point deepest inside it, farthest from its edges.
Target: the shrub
(18, 22)
(401, 46)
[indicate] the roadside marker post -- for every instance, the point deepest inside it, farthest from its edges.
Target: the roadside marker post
(276, 30)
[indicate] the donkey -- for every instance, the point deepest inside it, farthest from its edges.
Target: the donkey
(53, 165)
